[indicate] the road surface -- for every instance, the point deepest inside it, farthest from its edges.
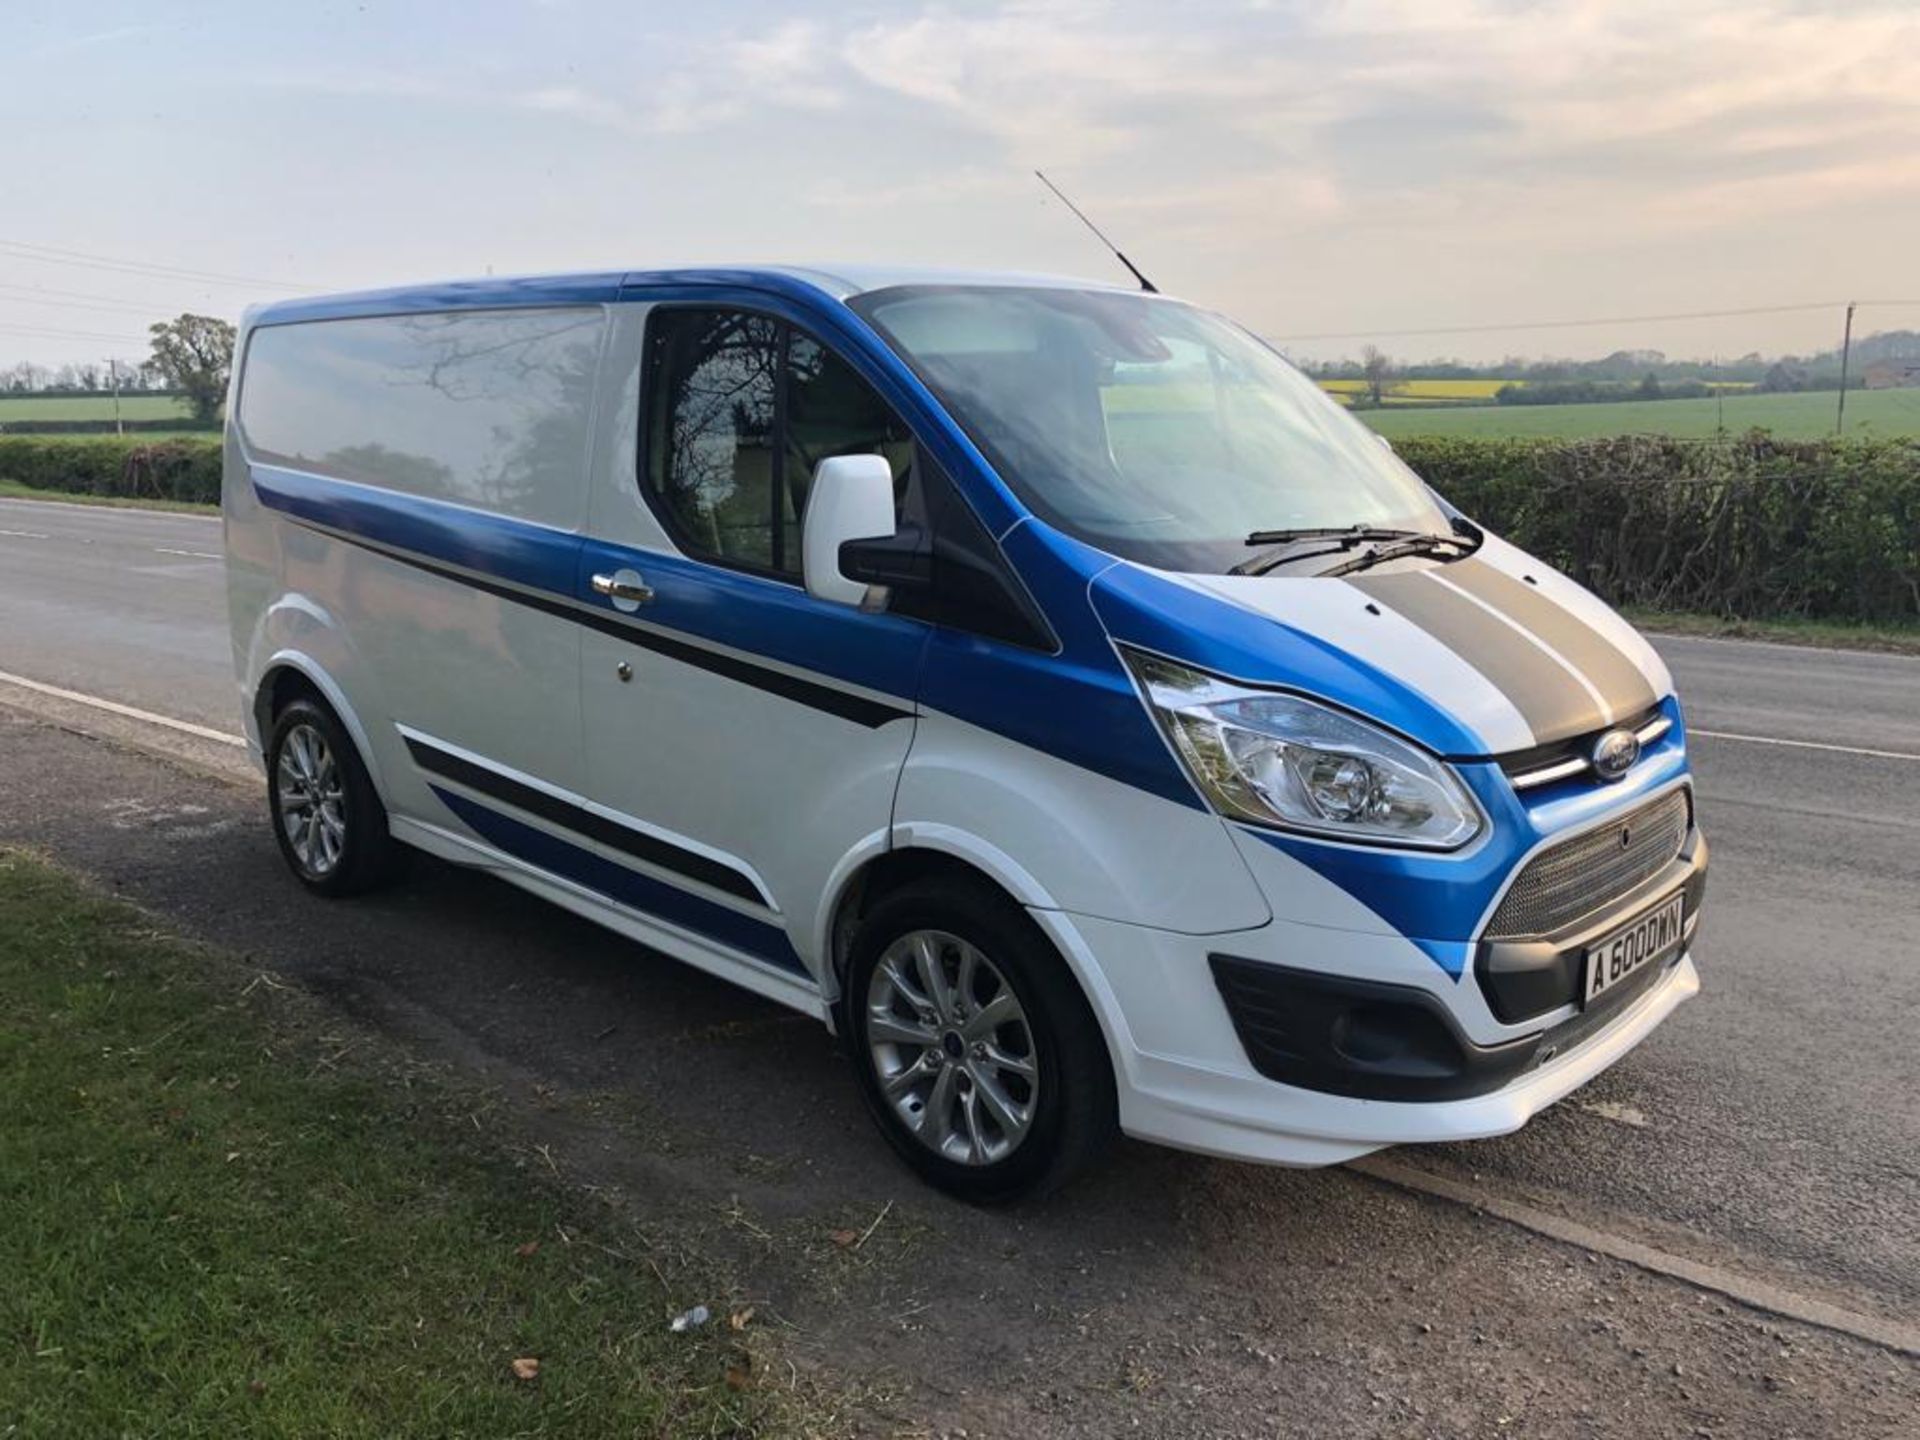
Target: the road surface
(1770, 1130)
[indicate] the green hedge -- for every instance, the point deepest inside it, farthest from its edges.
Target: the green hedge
(128, 468)
(1751, 528)
(105, 427)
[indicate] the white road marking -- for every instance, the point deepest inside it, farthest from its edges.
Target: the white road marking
(195, 554)
(1805, 745)
(185, 727)
(1748, 1290)
(26, 534)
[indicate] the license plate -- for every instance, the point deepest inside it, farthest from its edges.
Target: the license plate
(1639, 942)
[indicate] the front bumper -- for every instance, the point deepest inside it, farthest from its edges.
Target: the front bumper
(1374, 1040)
(1219, 1113)
(1304, 1044)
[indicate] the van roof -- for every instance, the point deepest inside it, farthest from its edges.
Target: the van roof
(599, 287)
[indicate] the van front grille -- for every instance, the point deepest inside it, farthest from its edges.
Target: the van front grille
(1589, 872)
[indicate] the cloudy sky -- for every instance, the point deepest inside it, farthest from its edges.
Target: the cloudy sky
(1356, 169)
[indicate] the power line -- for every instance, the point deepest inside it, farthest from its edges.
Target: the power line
(46, 333)
(82, 295)
(1597, 320)
(23, 295)
(20, 249)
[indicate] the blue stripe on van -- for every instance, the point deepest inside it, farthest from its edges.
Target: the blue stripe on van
(628, 887)
(519, 551)
(546, 563)
(1147, 610)
(1078, 706)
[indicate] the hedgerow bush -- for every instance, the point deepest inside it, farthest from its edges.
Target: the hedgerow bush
(129, 468)
(1750, 528)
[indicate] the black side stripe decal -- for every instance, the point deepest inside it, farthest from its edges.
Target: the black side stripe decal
(856, 708)
(615, 836)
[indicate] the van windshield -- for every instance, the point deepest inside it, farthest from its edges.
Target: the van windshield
(1153, 430)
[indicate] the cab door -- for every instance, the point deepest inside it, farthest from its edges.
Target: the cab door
(751, 732)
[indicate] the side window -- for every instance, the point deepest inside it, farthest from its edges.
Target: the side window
(486, 408)
(832, 411)
(713, 381)
(740, 409)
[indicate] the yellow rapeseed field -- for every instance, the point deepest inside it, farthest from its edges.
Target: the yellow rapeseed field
(1424, 389)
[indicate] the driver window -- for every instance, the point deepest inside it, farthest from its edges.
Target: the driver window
(741, 407)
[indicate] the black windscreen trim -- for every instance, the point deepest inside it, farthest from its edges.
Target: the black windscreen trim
(611, 833)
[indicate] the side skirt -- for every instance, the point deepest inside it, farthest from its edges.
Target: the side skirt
(743, 970)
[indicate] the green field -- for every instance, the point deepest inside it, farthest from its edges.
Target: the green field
(1797, 417)
(22, 409)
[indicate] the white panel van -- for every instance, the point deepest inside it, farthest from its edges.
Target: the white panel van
(1040, 682)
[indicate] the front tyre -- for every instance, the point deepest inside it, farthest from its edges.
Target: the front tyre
(328, 819)
(976, 1052)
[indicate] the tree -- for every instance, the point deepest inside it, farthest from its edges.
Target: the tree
(193, 354)
(1782, 378)
(1377, 370)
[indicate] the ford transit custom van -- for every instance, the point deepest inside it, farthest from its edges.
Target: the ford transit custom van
(1040, 682)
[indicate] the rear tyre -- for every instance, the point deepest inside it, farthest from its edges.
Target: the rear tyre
(973, 1045)
(329, 821)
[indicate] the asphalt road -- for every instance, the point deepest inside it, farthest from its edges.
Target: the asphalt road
(126, 604)
(1771, 1128)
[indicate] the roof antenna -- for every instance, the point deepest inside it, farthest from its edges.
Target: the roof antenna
(1132, 269)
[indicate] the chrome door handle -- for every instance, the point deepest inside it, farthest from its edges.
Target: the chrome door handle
(625, 588)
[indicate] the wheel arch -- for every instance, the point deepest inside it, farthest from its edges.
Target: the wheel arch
(291, 674)
(922, 852)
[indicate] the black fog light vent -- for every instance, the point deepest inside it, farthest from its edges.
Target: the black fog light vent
(1360, 1038)
(1397, 1040)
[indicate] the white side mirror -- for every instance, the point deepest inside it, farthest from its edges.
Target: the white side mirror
(851, 499)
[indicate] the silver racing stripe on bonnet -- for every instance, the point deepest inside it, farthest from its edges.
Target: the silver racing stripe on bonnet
(1564, 676)
(1607, 668)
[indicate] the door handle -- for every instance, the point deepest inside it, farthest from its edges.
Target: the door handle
(625, 588)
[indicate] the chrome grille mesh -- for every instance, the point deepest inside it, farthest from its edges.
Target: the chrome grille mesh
(1578, 876)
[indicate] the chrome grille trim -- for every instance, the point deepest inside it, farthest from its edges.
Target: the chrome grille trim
(1589, 871)
(1579, 764)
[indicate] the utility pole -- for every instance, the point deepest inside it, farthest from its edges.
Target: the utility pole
(1846, 353)
(113, 370)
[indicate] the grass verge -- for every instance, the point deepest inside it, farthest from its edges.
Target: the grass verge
(210, 1226)
(14, 490)
(1887, 639)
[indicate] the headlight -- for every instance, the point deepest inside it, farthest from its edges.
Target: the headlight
(1284, 761)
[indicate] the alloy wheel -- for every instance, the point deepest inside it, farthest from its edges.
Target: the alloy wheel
(309, 792)
(952, 1047)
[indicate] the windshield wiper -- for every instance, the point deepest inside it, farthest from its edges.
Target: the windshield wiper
(1283, 543)
(1461, 544)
